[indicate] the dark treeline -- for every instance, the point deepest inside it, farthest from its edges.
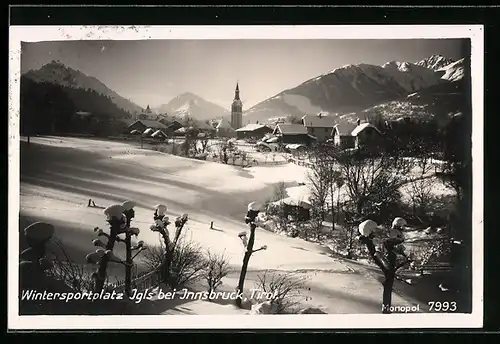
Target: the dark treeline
(48, 108)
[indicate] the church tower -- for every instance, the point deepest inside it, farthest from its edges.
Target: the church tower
(236, 110)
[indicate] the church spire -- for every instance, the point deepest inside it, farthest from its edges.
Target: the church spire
(237, 92)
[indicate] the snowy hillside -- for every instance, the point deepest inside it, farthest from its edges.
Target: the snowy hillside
(350, 88)
(57, 73)
(435, 62)
(192, 106)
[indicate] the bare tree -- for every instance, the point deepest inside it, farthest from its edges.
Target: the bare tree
(217, 267)
(280, 192)
(373, 179)
(320, 178)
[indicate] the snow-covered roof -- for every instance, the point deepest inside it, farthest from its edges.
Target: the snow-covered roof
(252, 127)
(318, 121)
(362, 127)
(151, 124)
(224, 124)
(291, 129)
(203, 125)
(158, 133)
(294, 145)
(344, 129)
(294, 202)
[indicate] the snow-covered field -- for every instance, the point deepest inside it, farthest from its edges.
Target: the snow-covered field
(60, 174)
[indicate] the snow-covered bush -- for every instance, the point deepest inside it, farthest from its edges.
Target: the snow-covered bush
(282, 290)
(187, 265)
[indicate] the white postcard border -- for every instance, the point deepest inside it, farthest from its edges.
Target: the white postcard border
(330, 321)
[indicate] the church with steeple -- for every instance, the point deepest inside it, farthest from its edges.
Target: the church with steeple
(237, 110)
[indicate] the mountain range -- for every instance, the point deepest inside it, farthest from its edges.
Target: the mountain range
(353, 88)
(393, 89)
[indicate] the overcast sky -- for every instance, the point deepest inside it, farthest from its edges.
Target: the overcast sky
(153, 72)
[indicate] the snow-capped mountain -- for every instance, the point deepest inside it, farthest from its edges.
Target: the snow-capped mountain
(435, 62)
(454, 71)
(348, 89)
(192, 106)
(58, 73)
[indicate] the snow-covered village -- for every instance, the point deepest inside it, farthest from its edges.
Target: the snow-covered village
(176, 178)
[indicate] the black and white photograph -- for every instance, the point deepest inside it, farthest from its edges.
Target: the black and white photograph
(328, 176)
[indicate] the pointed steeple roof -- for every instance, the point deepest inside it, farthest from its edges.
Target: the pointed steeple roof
(237, 92)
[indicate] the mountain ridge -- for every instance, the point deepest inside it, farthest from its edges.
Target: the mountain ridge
(353, 88)
(58, 73)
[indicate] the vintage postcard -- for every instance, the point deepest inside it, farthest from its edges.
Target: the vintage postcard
(307, 177)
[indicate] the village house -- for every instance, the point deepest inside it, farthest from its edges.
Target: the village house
(319, 126)
(204, 129)
(173, 126)
(143, 124)
(254, 131)
(366, 134)
(224, 129)
(341, 135)
(292, 133)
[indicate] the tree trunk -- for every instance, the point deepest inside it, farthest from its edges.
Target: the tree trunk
(387, 293)
(164, 268)
(101, 272)
(128, 261)
(244, 266)
(388, 283)
(338, 204)
(333, 208)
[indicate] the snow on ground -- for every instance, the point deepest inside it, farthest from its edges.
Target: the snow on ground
(59, 175)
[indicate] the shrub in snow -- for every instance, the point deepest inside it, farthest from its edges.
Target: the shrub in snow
(216, 268)
(283, 290)
(312, 310)
(266, 307)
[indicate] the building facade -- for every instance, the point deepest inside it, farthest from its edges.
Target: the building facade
(320, 126)
(253, 131)
(237, 110)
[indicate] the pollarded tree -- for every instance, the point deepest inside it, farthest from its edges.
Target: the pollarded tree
(389, 258)
(248, 242)
(119, 217)
(161, 223)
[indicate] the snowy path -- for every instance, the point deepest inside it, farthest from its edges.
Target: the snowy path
(59, 175)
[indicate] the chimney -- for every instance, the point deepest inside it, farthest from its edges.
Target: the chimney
(358, 122)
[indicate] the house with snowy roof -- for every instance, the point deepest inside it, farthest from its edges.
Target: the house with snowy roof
(341, 134)
(319, 126)
(224, 129)
(143, 124)
(349, 135)
(254, 130)
(366, 134)
(292, 133)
